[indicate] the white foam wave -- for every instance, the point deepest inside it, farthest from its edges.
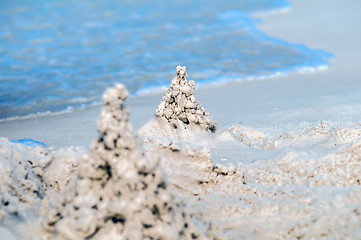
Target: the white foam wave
(69, 109)
(262, 13)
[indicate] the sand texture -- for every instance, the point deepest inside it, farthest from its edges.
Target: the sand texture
(282, 162)
(302, 183)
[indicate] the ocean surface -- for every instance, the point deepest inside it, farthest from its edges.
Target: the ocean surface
(60, 55)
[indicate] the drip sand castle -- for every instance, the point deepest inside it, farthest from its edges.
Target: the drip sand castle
(180, 119)
(179, 105)
(120, 193)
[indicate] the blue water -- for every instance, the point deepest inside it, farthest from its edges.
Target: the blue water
(65, 53)
(28, 142)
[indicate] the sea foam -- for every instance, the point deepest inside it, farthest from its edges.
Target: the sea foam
(49, 63)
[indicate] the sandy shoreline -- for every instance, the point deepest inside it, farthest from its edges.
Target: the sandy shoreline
(286, 99)
(292, 142)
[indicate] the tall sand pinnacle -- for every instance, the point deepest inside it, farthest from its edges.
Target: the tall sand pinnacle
(119, 193)
(180, 104)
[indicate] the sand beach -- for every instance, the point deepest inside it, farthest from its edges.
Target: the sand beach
(284, 162)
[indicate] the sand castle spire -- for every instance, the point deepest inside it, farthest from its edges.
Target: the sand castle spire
(119, 193)
(179, 103)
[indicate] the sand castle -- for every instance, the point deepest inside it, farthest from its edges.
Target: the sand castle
(21, 180)
(179, 104)
(29, 174)
(119, 193)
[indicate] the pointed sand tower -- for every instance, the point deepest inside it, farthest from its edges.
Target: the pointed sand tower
(119, 193)
(180, 104)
